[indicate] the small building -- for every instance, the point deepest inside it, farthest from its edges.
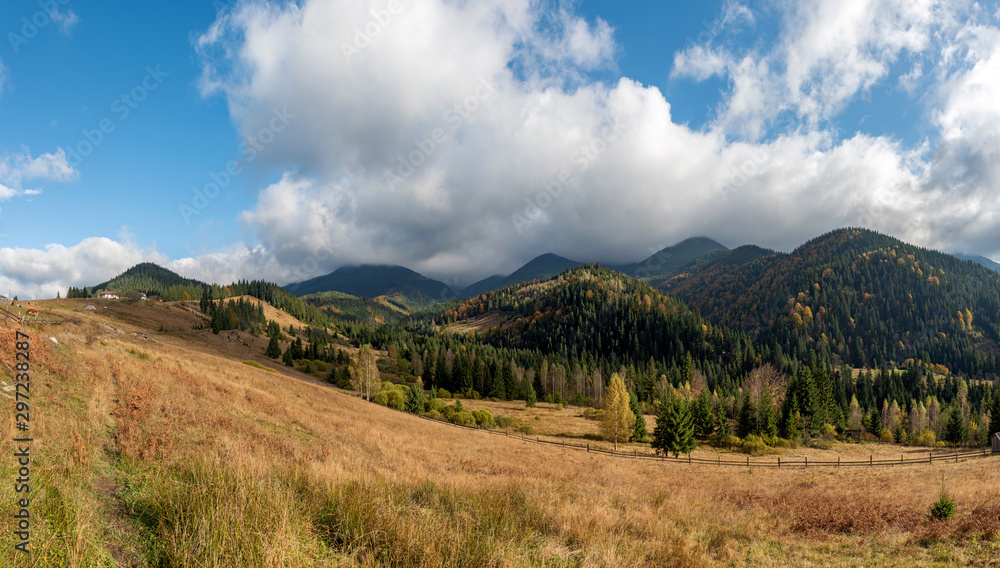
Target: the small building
(996, 443)
(853, 434)
(110, 295)
(3, 299)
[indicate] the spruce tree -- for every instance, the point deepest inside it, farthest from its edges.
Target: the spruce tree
(748, 418)
(995, 414)
(704, 417)
(530, 399)
(768, 424)
(674, 430)
(955, 430)
(273, 348)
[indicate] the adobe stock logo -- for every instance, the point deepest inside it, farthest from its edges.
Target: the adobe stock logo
(248, 150)
(363, 36)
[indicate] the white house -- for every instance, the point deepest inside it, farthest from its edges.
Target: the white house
(3, 298)
(110, 295)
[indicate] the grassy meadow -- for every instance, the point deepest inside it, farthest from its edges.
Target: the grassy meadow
(171, 451)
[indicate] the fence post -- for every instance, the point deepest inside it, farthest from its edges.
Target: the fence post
(900, 459)
(689, 458)
(870, 460)
(807, 461)
(838, 461)
(779, 462)
(930, 457)
(956, 457)
(748, 461)
(588, 446)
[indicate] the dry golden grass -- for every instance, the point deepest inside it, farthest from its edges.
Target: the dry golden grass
(172, 452)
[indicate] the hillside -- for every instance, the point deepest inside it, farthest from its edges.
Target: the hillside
(600, 318)
(538, 268)
(981, 260)
(372, 281)
(860, 297)
(685, 255)
(149, 278)
(163, 448)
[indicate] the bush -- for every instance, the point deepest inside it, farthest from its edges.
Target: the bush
(753, 445)
(593, 413)
(943, 508)
(483, 418)
(525, 429)
(382, 397)
(435, 415)
(448, 412)
(436, 405)
(504, 421)
(464, 418)
(320, 366)
(885, 435)
(926, 438)
(441, 393)
(397, 399)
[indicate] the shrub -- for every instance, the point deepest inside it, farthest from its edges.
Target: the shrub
(483, 418)
(753, 445)
(320, 366)
(435, 415)
(926, 438)
(448, 412)
(943, 508)
(441, 393)
(396, 400)
(464, 418)
(504, 421)
(829, 431)
(382, 397)
(436, 405)
(593, 413)
(885, 435)
(525, 429)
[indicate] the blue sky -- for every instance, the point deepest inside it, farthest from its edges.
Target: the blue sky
(425, 132)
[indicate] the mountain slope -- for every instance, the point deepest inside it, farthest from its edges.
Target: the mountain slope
(152, 279)
(981, 260)
(372, 281)
(542, 266)
(596, 314)
(673, 259)
(863, 297)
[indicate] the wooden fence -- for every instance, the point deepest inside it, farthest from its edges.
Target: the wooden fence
(744, 462)
(31, 321)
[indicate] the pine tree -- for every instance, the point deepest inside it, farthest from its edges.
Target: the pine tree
(639, 430)
(674, 430)
(530, 399)
(273, 348)
(747, 423)
(415, 399)
(704, 417)
(956, 430)
(618, 422)
(995, 414)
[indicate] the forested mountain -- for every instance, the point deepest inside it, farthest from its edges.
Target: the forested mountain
(154, 280)
(687, 254)
(543, 266)
(372, 281)
(148, 278)
(348, 308)
(601, 317)
(857, 297)
(981, 260)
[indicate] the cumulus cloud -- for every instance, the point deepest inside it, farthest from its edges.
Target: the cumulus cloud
(463, 138)
(398, 158)
(16, 167)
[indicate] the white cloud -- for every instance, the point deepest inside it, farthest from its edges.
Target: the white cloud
(65, 20)
(21, 166)
(363, 115)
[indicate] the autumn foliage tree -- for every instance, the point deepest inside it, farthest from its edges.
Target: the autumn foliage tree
(619, 421)
(364, 370)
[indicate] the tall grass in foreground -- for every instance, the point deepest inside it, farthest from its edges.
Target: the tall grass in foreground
(240, 512)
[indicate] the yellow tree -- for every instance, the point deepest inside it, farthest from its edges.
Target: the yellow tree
(618, 419)
(364, 370)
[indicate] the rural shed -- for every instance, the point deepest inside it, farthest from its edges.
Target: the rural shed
(996, 443)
